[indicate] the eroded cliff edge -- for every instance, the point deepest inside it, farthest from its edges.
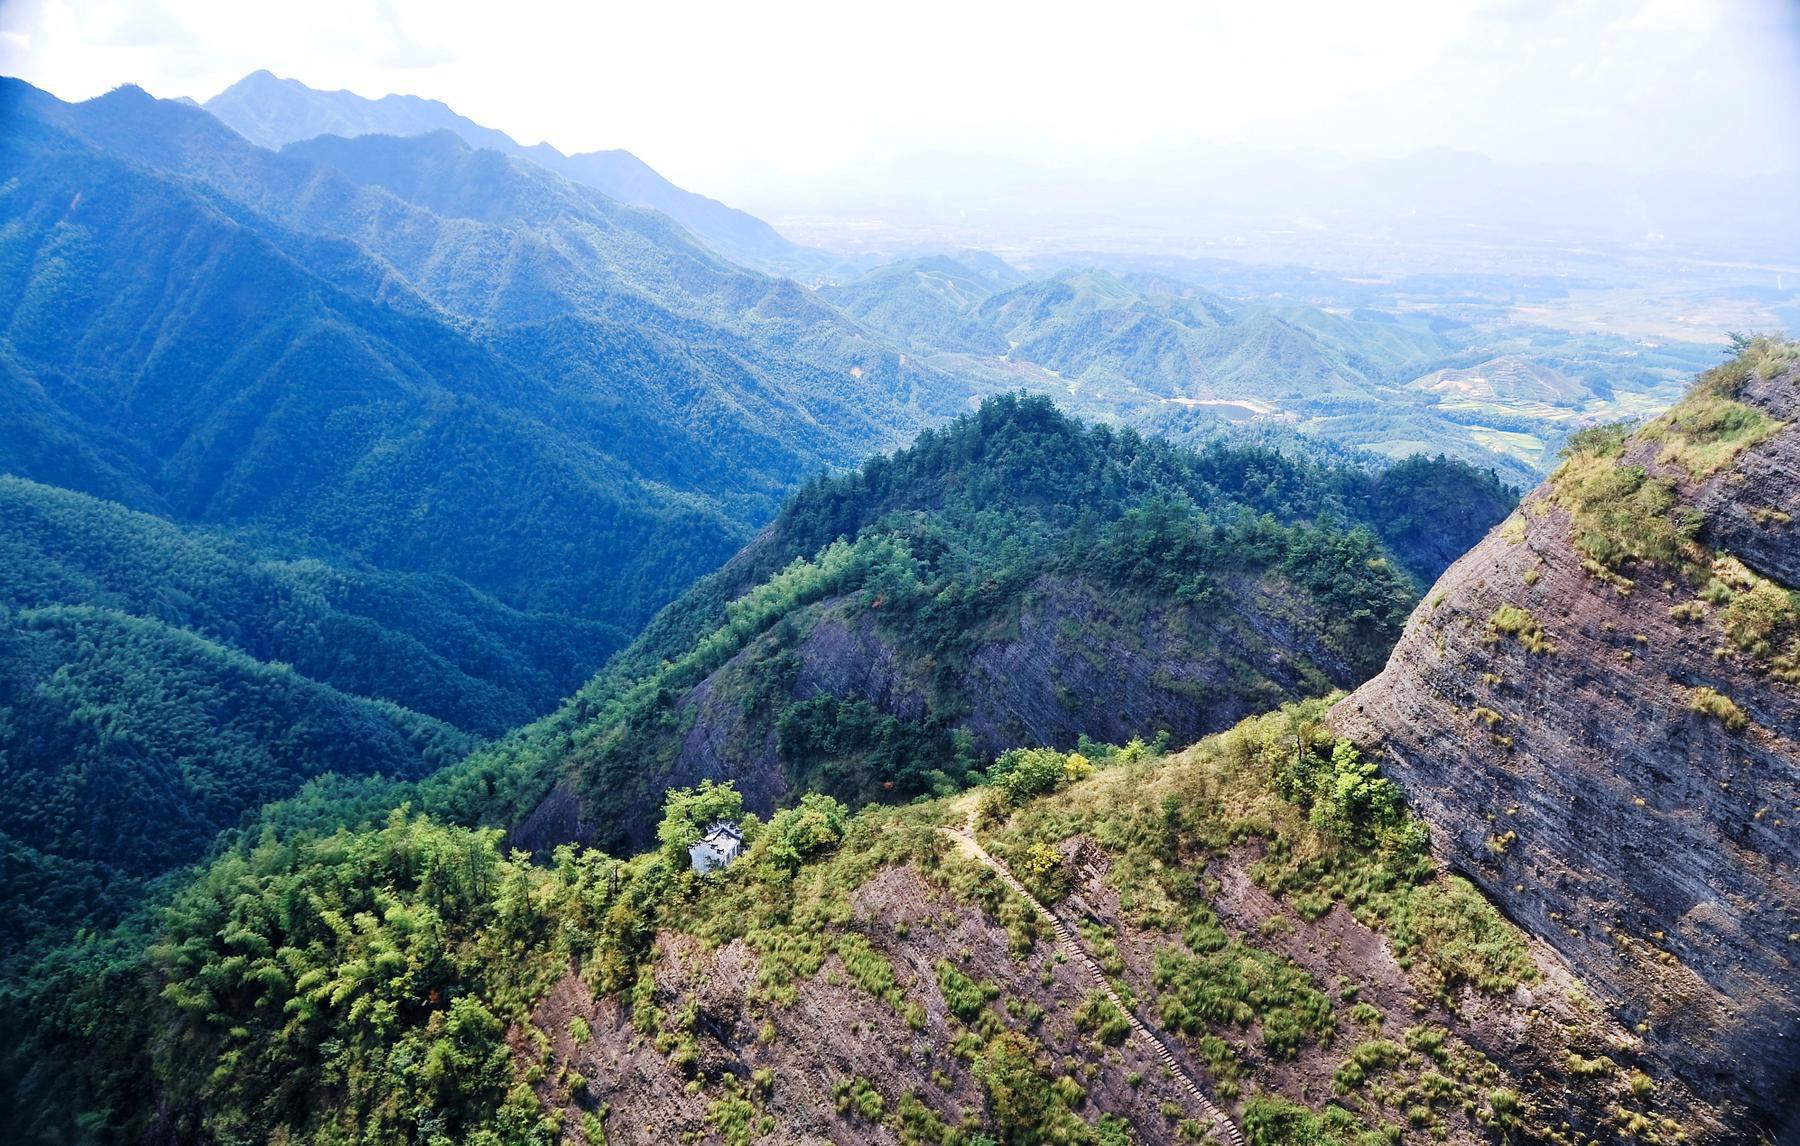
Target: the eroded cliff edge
(1596, 710)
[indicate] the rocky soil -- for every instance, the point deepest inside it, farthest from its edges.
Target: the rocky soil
(834, 1033)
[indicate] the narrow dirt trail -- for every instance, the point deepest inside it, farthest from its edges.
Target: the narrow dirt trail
(965, 841)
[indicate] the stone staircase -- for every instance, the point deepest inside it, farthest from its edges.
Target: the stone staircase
(1071, 944)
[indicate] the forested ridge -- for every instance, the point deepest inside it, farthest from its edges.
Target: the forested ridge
(330, 477)
(126, 745)
(944, 547)
(237, 337)
(1043, 484)
(159, 681)
(425, 641)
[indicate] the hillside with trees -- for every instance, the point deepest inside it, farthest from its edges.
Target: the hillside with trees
(1015, 578)
(424, 641)
(1264, 909)
(249, 339)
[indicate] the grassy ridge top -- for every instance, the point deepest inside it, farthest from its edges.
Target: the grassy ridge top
(1630, 492)
(362, 982)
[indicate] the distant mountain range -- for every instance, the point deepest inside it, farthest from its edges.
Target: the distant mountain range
(272, 112)
(1137, 338)
(320, 340)
(1158, 352)
(1151, 349)
(342, 458)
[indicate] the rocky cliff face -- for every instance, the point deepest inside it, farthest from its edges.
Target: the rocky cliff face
(1597, 712)
(1073, 659)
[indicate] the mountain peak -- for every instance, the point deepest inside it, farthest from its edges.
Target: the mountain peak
(127, 93)
(262, 81)
(273, 112)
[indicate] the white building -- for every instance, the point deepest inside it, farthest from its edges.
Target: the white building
(718, 847)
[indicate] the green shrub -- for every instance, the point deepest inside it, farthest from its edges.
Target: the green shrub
(1098, 1016)
(1364, 1060)
(1511, 621)
(1428, 1039)
(1713, 703)
(1505, 1110)
(1759, 618)
(966, 998)
(1707, 430)
(1461, 937)
(732, 1116)
(593, 1127)
(1589, 1067)
(1228, 981)
(1022, 773)
(868, 968)
(1687, 612)
(1620, 512)
(815, 825)
(859, 1096)
(1270, 1120)
(1026, 1102)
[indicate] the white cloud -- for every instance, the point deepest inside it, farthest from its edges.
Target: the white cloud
(723, 95)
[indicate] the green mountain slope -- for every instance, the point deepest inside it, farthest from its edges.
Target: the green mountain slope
(273, 112)
(897, 627)
(424, 641)
(126, 745)
(280, 373)
(1263, 904)
(1015, 578)
(259, 394)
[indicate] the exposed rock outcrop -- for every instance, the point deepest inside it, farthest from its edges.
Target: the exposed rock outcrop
(1552, 722)
(1073, 660)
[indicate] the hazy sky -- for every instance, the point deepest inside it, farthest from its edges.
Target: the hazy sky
(734, 95)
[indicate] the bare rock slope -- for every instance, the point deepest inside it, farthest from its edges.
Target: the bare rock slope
(1596, 711)
(1076, 658)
